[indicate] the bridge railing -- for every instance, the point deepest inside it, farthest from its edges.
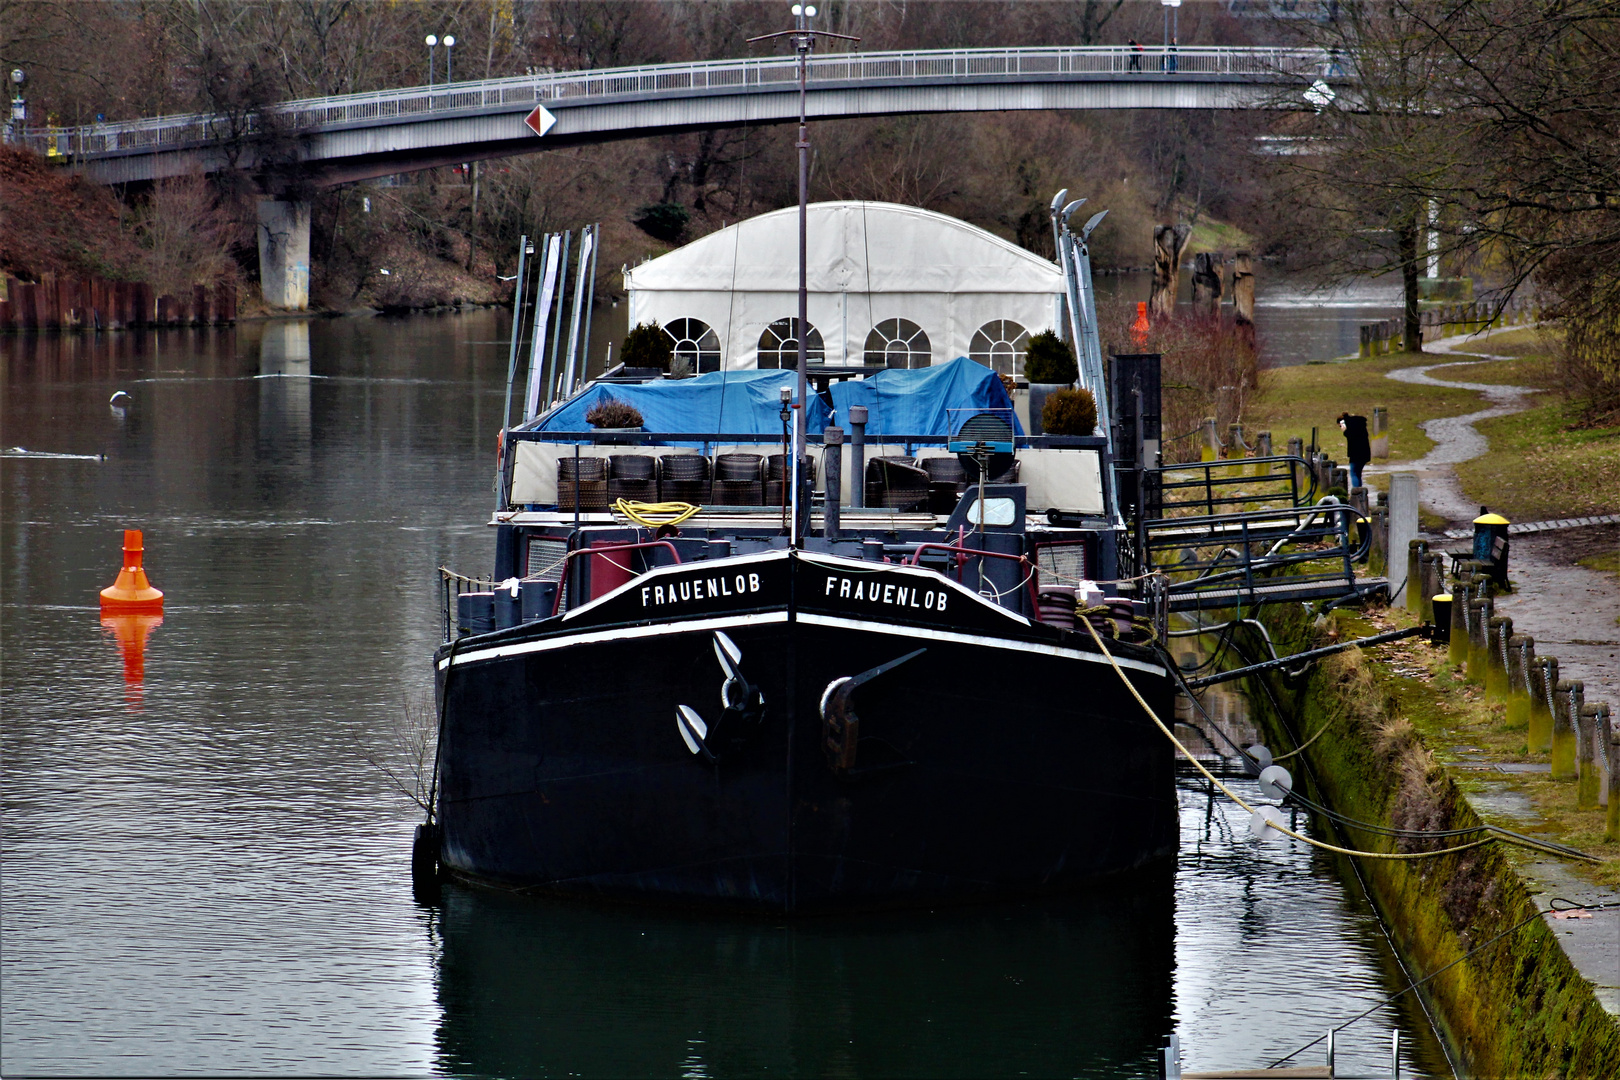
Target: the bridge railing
(775, 72)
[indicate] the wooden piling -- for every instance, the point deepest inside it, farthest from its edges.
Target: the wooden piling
(1243, 289)
(1497, 632)
(1586, 767)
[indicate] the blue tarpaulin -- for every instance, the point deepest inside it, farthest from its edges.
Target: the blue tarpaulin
(899, 402)
(929, 401)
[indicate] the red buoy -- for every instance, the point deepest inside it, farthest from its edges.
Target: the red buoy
(132, 592)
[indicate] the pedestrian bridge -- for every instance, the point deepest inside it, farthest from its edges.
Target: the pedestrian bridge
(354, 137)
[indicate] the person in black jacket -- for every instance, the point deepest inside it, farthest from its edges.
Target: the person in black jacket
(1358, 448)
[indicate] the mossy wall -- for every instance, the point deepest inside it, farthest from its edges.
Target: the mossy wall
(1517, 1008)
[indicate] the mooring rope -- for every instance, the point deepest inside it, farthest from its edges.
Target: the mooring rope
(1235, 797)
(1508, 835)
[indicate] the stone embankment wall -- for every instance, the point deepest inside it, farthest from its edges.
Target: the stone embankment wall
(1517, 1007)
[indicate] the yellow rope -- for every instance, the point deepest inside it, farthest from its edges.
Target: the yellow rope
(1300, 749)
(653, 515)
(1230, 794)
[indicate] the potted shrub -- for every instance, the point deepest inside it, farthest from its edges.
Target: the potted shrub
(1069, 412)
(647, 346)
(1049, 366)
(611, 414)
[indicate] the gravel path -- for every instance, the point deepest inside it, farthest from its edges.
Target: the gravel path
(1572, 612)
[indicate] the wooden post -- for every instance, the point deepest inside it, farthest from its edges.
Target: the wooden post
(1212, 440)
(1415, 551)
(1243, 289)
(1586, 784)
(1543, 699)
(1207, 282)
(1380, 432)
(1457, 655)
(1568, 697)
(1479, 616)
(1169, 244)
(1433, 575)
(1612, 833)
(1600, 740)
(1497, 632)
(1521, 653)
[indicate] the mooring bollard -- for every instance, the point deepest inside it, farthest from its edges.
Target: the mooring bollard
(1497, 631)
(1521, 650)
(1586, 783)
(1212, 440)
(1479, 617)
(1543, 687)
(1568, 697)
(1415, 551)
(1380, 432)
(1296, 447)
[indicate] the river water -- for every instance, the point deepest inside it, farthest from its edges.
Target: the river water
(204, 870)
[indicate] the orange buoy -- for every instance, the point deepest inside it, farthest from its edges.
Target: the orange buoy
(132, 592)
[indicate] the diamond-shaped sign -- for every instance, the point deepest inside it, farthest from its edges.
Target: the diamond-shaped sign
(540, 120)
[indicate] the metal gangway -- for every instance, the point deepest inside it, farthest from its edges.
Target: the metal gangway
(1250, 531)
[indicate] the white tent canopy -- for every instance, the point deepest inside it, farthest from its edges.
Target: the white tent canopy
(888, 284)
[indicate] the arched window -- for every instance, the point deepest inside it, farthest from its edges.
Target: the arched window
(779, 345)
(898, 343)
(999, 345)
(697, 347)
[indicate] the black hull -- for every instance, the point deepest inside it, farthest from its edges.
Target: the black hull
(1005, 759)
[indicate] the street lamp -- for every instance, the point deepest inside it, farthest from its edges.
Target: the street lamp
(803, 39)
(432, 40)
(1172, 10)
(449, 43)
(19, 106)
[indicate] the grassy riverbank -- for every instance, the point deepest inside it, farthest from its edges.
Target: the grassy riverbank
(1539, 464)
(1381, 743)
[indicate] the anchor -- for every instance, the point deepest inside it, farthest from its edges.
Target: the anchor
(842, 723)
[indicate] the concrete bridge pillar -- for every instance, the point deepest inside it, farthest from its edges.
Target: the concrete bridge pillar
(284, 253)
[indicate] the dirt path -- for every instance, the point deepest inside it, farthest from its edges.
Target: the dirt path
(1572, 612)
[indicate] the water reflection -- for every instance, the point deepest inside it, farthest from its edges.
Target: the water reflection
(1080, 986)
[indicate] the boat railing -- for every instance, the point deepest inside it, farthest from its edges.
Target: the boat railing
(1031, 580)
(451, 586)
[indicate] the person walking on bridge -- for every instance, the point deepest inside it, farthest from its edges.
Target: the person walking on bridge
(1357, 446)
(1136, 56)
